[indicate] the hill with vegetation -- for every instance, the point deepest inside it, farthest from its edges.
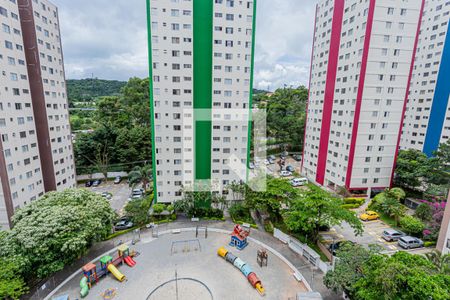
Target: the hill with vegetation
(86, 90)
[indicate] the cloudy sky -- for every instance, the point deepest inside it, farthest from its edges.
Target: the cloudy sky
(108, 39)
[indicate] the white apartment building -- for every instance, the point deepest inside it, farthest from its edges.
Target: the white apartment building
(361, 65)
(427, 119)
(36, 152)
(201, 66)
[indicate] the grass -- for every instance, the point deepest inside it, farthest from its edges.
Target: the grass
(389, 221)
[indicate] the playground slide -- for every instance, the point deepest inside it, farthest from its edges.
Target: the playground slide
(116, 272)
(129, 261)
(84, 287)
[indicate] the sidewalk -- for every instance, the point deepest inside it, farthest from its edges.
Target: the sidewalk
(314, 277)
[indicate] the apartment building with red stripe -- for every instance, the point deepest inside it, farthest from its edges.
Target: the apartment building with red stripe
(362, 62)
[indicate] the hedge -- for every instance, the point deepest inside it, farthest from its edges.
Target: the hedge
(429, 244)
(350, 206)
(359, 201)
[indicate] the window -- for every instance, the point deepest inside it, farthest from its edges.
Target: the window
(390, 11)
(8, 45)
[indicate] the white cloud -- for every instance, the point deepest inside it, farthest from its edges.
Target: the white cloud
(109, 39)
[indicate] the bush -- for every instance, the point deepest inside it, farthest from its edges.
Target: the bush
(158, 208)
(350, 206)
(429, 244)
(239, 212)
(359, 201)
(412, 225)
(424, 212)
(203, 212)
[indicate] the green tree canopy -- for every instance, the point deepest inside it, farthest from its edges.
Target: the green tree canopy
(401, 276)
(317, 208)
(60, 227)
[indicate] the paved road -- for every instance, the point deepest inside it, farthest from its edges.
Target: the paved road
(121, 192)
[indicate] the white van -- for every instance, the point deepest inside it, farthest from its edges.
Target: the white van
(299, 181)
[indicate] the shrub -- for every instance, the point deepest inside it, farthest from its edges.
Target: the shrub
(158, 208)
(359, 201)
(203, 212)
(412, 225)
(239, 212)
(350, 206)
(424, 212)
(429, 244)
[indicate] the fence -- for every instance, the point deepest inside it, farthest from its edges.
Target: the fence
(303, 250)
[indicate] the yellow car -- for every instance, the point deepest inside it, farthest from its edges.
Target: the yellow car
(369, 215)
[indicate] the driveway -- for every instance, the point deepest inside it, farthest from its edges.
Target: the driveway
(120, 193)
(371, 235)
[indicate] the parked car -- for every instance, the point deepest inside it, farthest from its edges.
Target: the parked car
(297, 157)
(290, 168)
(271, 161)
(107, 195)
(117, 180)
(137, 193)
(369, 215)
(285, 173)
(392, 235)
(335, 246)
(123, 224)
(88, 183)
(97, 182)
(272, 157)
(251, 165)
(266, 162)
(299, 181)
(409, 242)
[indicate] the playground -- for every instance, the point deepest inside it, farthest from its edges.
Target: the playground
(187, 265)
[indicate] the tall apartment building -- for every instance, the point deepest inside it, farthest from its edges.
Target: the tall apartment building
(201, 66)
(36, 154)
(427, 119)
(362, 61)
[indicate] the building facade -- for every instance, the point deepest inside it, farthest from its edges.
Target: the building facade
(443, 244)
(361, 67)
(201, 66)
(36, 154)
(427, 119)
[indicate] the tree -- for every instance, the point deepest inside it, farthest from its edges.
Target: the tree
(411, 166)
(412, 225)
(440, 262)
(318, 208)
(401, 276)
(348, 268)
(138, 209)
(388, 202)
(12, 284)
(140, 175)
(286, 114)
(424, 212)
(59, 228)
(278, 191)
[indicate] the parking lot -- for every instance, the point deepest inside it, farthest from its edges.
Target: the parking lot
(274, 169)
(120, 193)
(371, 235)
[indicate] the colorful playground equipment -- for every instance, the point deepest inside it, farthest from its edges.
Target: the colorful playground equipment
(92, 274)
(243, 267)
(239, 237)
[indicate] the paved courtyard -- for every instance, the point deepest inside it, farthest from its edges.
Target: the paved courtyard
(159, 260)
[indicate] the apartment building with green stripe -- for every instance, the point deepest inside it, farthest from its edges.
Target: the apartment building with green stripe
(201, 65)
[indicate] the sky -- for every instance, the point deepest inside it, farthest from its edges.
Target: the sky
(108, 40)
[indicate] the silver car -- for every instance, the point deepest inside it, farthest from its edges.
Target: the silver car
(392, 235)
(409, 242)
